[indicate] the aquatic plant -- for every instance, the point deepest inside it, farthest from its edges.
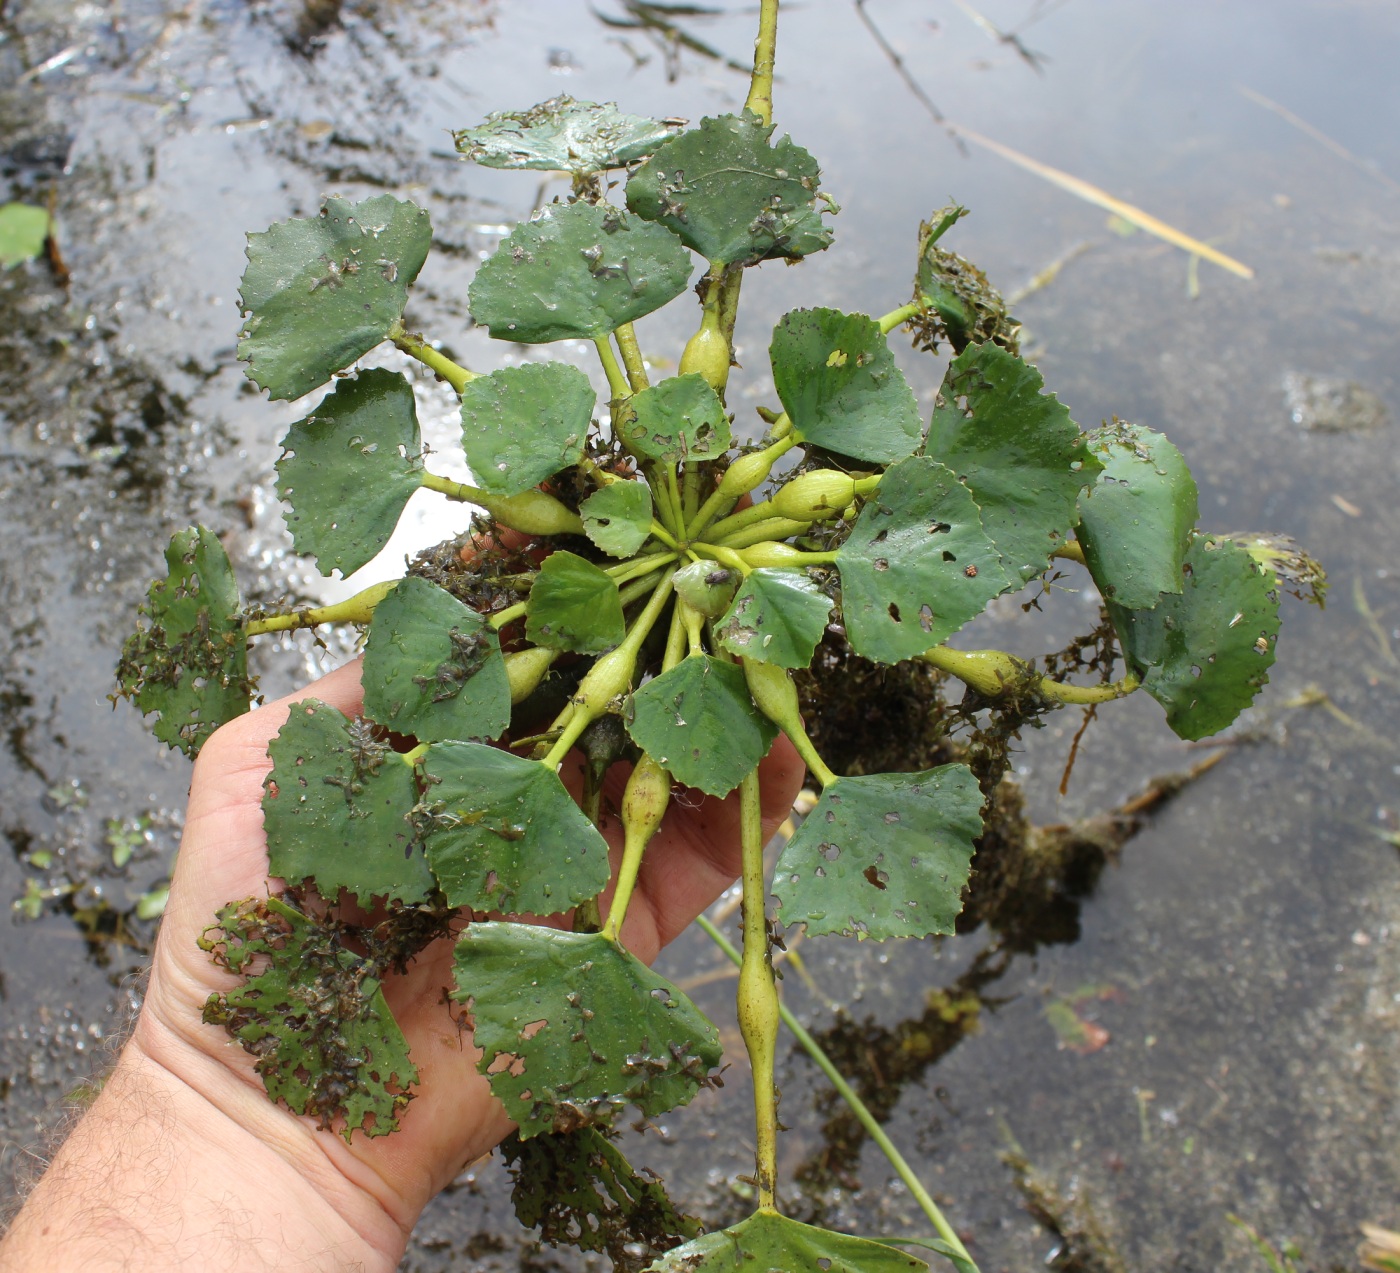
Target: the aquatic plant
(648, 589)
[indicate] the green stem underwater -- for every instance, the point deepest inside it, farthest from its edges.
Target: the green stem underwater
(857, 1106)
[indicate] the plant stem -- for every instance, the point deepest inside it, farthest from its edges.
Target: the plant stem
(632, 357)
(675, 640)
(356, 609)
(760, 99)
(509, 615)
(726, 555)
(775, 696)
(768, 528)
(707, 353)
(895, 317)
(694, 623)
(609, 677)
(994, 673)
(665, 535)
(652, 560)
(857, 1106)
(690, 502)
(416, 347)
(617, 382)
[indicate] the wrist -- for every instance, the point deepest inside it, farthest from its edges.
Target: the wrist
(178, 1165)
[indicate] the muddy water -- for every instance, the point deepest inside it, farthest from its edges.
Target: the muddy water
(1240, 969)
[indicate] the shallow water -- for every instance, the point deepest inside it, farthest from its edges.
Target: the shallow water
(1244, 958)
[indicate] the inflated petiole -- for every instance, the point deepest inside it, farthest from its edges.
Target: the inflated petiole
(995, 674)
(533, 512)
(758, 991)
(609, 678)
(770, 528)
(707, 352)
(775, 696)
(644, 802)
(746, 474)
(356, 609)
(525, 669)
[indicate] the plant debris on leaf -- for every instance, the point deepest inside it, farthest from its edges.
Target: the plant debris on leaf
(348, 469)
(337, 809)
(314, 1016)
(917, 565)
(960, 307)
(523, 424)
(433, 667)
(579, 1190)
(1021, 456)
(188, 663)
(573, 1028)
(321, 291)
(698, 721)
(732, 196)
(562, 135)
(838, 381)
(577, 271)
(503, 834)
(882, 855)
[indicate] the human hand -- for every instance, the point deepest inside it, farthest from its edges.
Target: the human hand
(364, 1196)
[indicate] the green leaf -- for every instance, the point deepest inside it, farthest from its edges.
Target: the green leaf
(698, 721)
(617, 517)
(337, 809)
(24, 229)
(777, 616)
(1205, 654)
(503, 834)
(573, 605)
(1135, 522)
(562, 135)
(433, 667)
(348, 469)
(838, 381)
(315, 1018)
(1021, 456)
(189, 662)
(770, 1243)
(523, 424)
(732, 196)
(321, 291)
(588, 1028)
(579, 1190)
(882, 855)
(577, 271)
(917, 564)
(679, 419)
